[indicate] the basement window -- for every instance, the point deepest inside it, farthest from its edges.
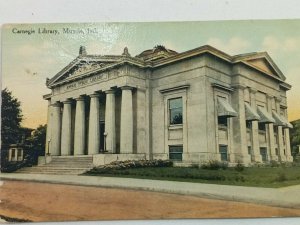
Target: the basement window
(223, 152)
(175, 153)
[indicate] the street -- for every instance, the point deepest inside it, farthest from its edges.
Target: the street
(57, 202)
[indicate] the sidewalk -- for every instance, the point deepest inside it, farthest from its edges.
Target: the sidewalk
(282, 197)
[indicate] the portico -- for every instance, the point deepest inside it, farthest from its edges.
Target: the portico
(76, 127)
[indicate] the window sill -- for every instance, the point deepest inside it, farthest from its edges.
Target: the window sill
(221, 127)
(175, 127)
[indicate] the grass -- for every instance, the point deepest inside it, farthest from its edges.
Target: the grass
(252, 176)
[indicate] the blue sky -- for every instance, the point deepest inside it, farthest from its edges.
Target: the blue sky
(27, 60)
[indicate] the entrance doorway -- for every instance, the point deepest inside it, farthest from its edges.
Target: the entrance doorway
(102, 139)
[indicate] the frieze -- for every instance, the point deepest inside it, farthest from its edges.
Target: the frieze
(85, 82)
(114, 74)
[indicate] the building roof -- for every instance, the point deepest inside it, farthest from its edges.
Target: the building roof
(86, 65)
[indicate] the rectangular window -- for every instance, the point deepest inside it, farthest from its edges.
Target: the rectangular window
(248, 124)
(249, 150)
(263, 153)
(276, 151)
(222, 121)
(175, 153)
(175, 111)
(224, 152)
(261, 126)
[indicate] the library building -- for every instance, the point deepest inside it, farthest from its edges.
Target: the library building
(190, 107)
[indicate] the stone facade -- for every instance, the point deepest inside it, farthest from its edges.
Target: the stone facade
(195, 106)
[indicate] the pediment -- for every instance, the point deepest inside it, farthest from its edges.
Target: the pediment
(263, 65)
(84, 68)
(79, 68)
(261, 61)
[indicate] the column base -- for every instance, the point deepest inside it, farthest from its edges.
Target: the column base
(44, 159)
(79, 154)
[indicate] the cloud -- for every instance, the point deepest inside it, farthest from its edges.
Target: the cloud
(234, 45)
(102, 48)
(293, 95)
(275, 45)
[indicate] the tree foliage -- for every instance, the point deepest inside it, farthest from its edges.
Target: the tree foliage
(38, 139)
(295, 136)
(11, 117)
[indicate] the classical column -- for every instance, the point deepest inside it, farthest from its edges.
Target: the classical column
(9, 154)
(282, 156)
(126, 140)
(94, 126)
(48, 131)
(239, 146)
(288, 153)
(110, 122)
(66, 129)
(16, 154)
(256, 157)
(270, 126)
(55, 139)
(79, 133)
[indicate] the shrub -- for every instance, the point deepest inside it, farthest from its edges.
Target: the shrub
(121, 165)
(281, 177)
(214, 165)
(239, 167)
(274, 163)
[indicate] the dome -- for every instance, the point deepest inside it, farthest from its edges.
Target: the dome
(158, 52)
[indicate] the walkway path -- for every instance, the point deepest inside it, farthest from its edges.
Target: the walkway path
(282, 197)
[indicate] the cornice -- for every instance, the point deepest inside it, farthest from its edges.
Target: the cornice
(180, 87)
(123, 60)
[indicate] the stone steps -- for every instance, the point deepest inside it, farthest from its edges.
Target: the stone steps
(71, 165)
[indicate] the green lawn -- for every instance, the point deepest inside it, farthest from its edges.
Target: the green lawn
(254, 176)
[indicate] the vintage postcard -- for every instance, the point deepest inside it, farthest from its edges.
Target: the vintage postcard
(161, 120)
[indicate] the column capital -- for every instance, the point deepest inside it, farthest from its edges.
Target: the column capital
(94, 95)
(278, 99)
(269, 96)
(110, 91)
(252, 90)
(68, 101)
(126, 88)
(80, 98)
(55, 104)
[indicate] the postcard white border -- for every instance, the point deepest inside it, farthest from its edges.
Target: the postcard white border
(66, 11)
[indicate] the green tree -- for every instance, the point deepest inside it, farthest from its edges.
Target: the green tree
(38, 139)
(295, 137)
(11, 117)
